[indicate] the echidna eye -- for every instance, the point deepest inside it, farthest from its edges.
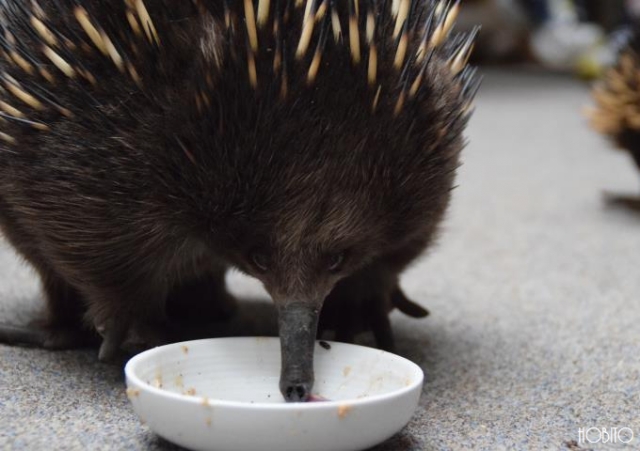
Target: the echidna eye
(336, 261)
(260, 261)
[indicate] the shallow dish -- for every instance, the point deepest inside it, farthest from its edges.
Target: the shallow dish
(222, 395)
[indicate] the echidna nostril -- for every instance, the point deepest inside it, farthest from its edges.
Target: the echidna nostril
(297, 393)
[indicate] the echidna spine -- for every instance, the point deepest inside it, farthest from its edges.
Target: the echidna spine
(405, 35)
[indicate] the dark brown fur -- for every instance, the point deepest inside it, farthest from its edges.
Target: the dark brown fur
(145, 195)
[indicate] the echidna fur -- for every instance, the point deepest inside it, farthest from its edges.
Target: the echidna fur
(148, 145)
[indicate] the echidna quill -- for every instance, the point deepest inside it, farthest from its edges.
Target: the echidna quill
(149, 145)
(616, 114)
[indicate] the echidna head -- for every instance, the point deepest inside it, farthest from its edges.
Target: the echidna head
(300, 250)
(314, 232)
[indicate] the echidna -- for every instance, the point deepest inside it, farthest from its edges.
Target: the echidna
(149, 145)
(616, 114)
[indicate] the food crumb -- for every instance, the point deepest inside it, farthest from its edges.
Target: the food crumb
(343, 410)
(325, 345)
(191, 391)
(133, 392)
(208, 421)
(185, 349)
(157, 382)
(346, 371)
(205, 401)
(180, 381)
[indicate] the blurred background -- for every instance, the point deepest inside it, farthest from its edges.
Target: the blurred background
(581, 37)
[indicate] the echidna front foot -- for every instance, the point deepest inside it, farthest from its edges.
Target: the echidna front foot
(64, 327)
(382, 331)
(202, 300)
(114, 334)
(56, 338)
(362, 303)
(200, 308)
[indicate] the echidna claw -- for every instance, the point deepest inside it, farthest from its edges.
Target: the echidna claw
(629, 202)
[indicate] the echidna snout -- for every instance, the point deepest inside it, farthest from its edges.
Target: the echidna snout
(297, 328)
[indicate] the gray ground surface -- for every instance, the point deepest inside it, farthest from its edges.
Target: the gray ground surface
(533, 291)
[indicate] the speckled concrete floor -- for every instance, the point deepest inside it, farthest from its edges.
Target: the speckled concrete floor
(533, 292)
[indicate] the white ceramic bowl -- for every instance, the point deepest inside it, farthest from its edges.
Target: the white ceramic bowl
(222, 394)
